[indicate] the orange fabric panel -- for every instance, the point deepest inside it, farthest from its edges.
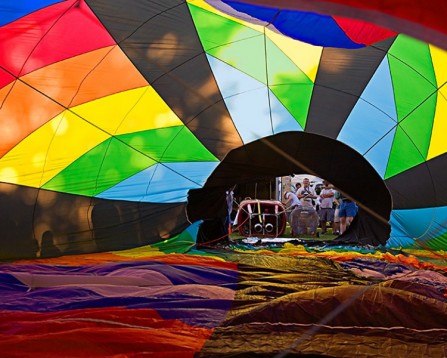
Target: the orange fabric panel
(22, 110)
(87, 77)
(28, 103)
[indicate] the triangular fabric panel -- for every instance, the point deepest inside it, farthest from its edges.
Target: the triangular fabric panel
(424, 185)
(129, 111)
(101, 168)
(86, 77)
(171, 144)
(374, 115)
(304, 55)
(162, 183)
(404, 154)
(180, 74)
(61, 40)
(248, 50)
(416, 104)
(379, 153)
(438, 144)
(342, 77)
(232, 42)
(248, 102)
(291, 85)
(49, 150)
(38, 111)
(417, 69)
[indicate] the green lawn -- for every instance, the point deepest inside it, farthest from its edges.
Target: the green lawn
(235, 236)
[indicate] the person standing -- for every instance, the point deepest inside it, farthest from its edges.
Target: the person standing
(307, 196)
(291, 203)
(348, 210)
(306, 193)
(291, 200)
(326, 212)
(337, 203)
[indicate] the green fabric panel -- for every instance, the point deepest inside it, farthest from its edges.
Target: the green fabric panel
(181, 243)
(296, 98)
(289, 84)
(436, 243)
(99, 169)
(414, 83)
(404, 154)
(419, 124)
(168, 145)
(235, 44)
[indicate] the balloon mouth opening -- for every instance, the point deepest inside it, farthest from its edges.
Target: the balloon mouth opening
(258, 165)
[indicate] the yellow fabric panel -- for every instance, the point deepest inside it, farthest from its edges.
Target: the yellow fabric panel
(305, 56)
(130, 111)
(47, 151)
(202, 4)
(438, 144)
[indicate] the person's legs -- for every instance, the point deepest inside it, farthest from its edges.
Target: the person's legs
(349, 221)
(342, 215)
(336, 222)
(342, 224)
(349, 211)
(323, 219)
(330, 218)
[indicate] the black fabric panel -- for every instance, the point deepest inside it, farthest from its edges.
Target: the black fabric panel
(342, 77)
(16, 222)
(299, 152)
(422, 186)
(40, 223)
(118, 225)
(360, 230)
(160, 39)
(207, 203)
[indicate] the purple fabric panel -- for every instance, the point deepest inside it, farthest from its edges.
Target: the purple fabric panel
(193, 294)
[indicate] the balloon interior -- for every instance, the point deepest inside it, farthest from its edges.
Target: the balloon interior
(126, 123)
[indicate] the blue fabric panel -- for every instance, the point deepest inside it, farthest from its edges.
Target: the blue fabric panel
(378, 155)
(372, 122)
(422, 224)
(255, 110)
(162, 183)
(11, 10)
(312, 28)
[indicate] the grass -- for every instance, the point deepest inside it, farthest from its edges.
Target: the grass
(235, 236)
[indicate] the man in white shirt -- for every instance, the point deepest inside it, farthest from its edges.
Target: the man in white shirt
(291, 203)
(326, 211)
(306, 193)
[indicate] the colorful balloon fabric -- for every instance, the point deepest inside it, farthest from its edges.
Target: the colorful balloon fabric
(124, 124)
(147, 302)
(109, 127)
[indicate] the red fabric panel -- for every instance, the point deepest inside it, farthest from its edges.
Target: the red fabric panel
(99, 258)
(416, 18)
(63, 31)
(363, 32)
(98, 333)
